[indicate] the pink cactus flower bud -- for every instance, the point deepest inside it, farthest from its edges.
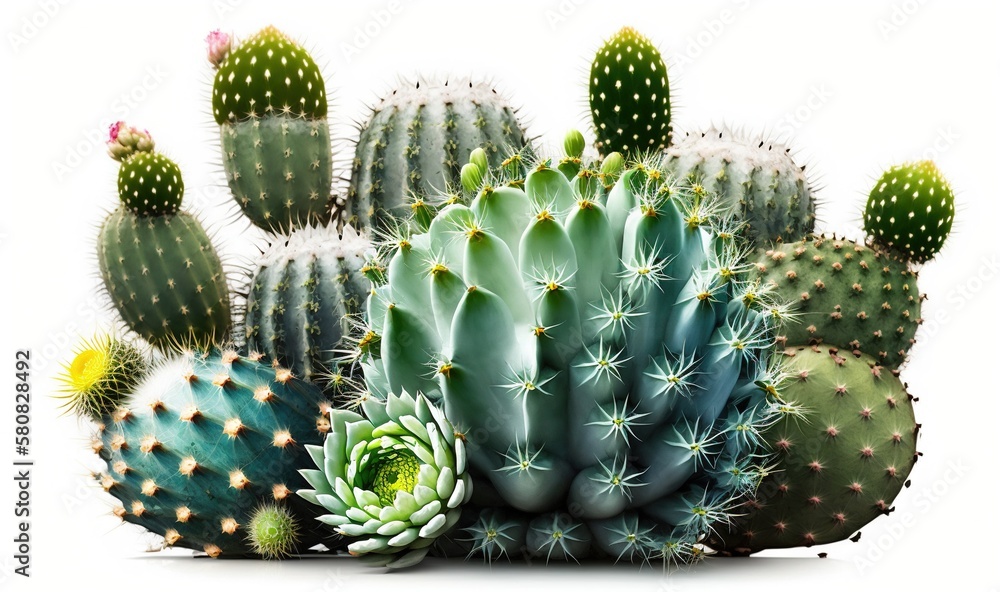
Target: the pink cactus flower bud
(219, 44)
(124, 141)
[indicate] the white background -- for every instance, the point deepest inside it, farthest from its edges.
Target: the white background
(855, 85)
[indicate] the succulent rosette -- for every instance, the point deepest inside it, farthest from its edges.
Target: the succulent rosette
(393, 479)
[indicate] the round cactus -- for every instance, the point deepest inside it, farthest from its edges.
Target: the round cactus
(593, 357)
(206, 439)
(150, 185)
(846, 442)
(393, 481)
(630, 95)
(910, 210)
(753, 178)
(846, 295)
(103, 371)
(273, 532)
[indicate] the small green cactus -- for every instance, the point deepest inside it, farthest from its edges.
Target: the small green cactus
(273, 532)
(104, 369)
(630, 96)
(910, 210)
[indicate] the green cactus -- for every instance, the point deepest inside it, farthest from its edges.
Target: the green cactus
(847, 295)
(392, 481)
(158, 265)
(630, 96)
(846, 443)
(203, 442)
(414, 144)
(270, 102)
(599, 361)
(754, 178)
(301, 294)
(910, 211)
(273, 532)
(103, 370)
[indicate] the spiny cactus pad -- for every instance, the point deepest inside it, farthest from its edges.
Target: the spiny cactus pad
(847, 295)
(150, 184)
(103, 371)
(300, 295)
(165, 278)
(587, 353)
(204, 441)
(754, 178)
(415, 142)
(630, 95)
(910, 210)
(846, 443)
(268, 74)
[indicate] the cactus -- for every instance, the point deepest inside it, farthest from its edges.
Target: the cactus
(392, 481)
(270, 102)
(103, 370)
(414, 144)
(848, 295)
(203, 442)
(756, 178)
(599, 361)
(630, 96)
(846, 442)
(158, 265)
(910, 211)
(273, 533)
(300, 297)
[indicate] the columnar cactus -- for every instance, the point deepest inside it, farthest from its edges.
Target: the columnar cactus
(846, 295)
(756, 179)
(630, 96)
(845, 444)
(203, 442)
(414, 144)
(300, 297)
(158, 265)
(910, 211)
(270, 102)
(594, 358)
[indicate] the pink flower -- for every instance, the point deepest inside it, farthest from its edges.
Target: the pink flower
(219, 44)
(125, 140)
(114, 130)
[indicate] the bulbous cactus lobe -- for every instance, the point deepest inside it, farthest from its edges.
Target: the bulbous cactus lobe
(630, 95)
(268, 74)
(910, 210)
(150, 184)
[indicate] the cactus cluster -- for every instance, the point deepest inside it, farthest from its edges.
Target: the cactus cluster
(483, 351)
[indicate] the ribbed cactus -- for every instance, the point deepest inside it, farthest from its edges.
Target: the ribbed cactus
(203, 442)
(158, 265)
(270, 102)
(910, 211)
(755, 178)
(599, 361)
(845, 444)
(305, 286)
(630, 96)
(846, 295)
(415, 142)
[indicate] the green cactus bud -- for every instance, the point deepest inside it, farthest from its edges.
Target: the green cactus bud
(910, 210)
(472, 178)
(611, 168)
(479, 158)
(574, 144)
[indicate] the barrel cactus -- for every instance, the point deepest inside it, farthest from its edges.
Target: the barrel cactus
(203, 444)
(845, 444)
(755, 177)
(630, 96)
(910, 211)
(301, 296)
(599, 361)
(416, 140)
(158, 264)
(269, 100)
